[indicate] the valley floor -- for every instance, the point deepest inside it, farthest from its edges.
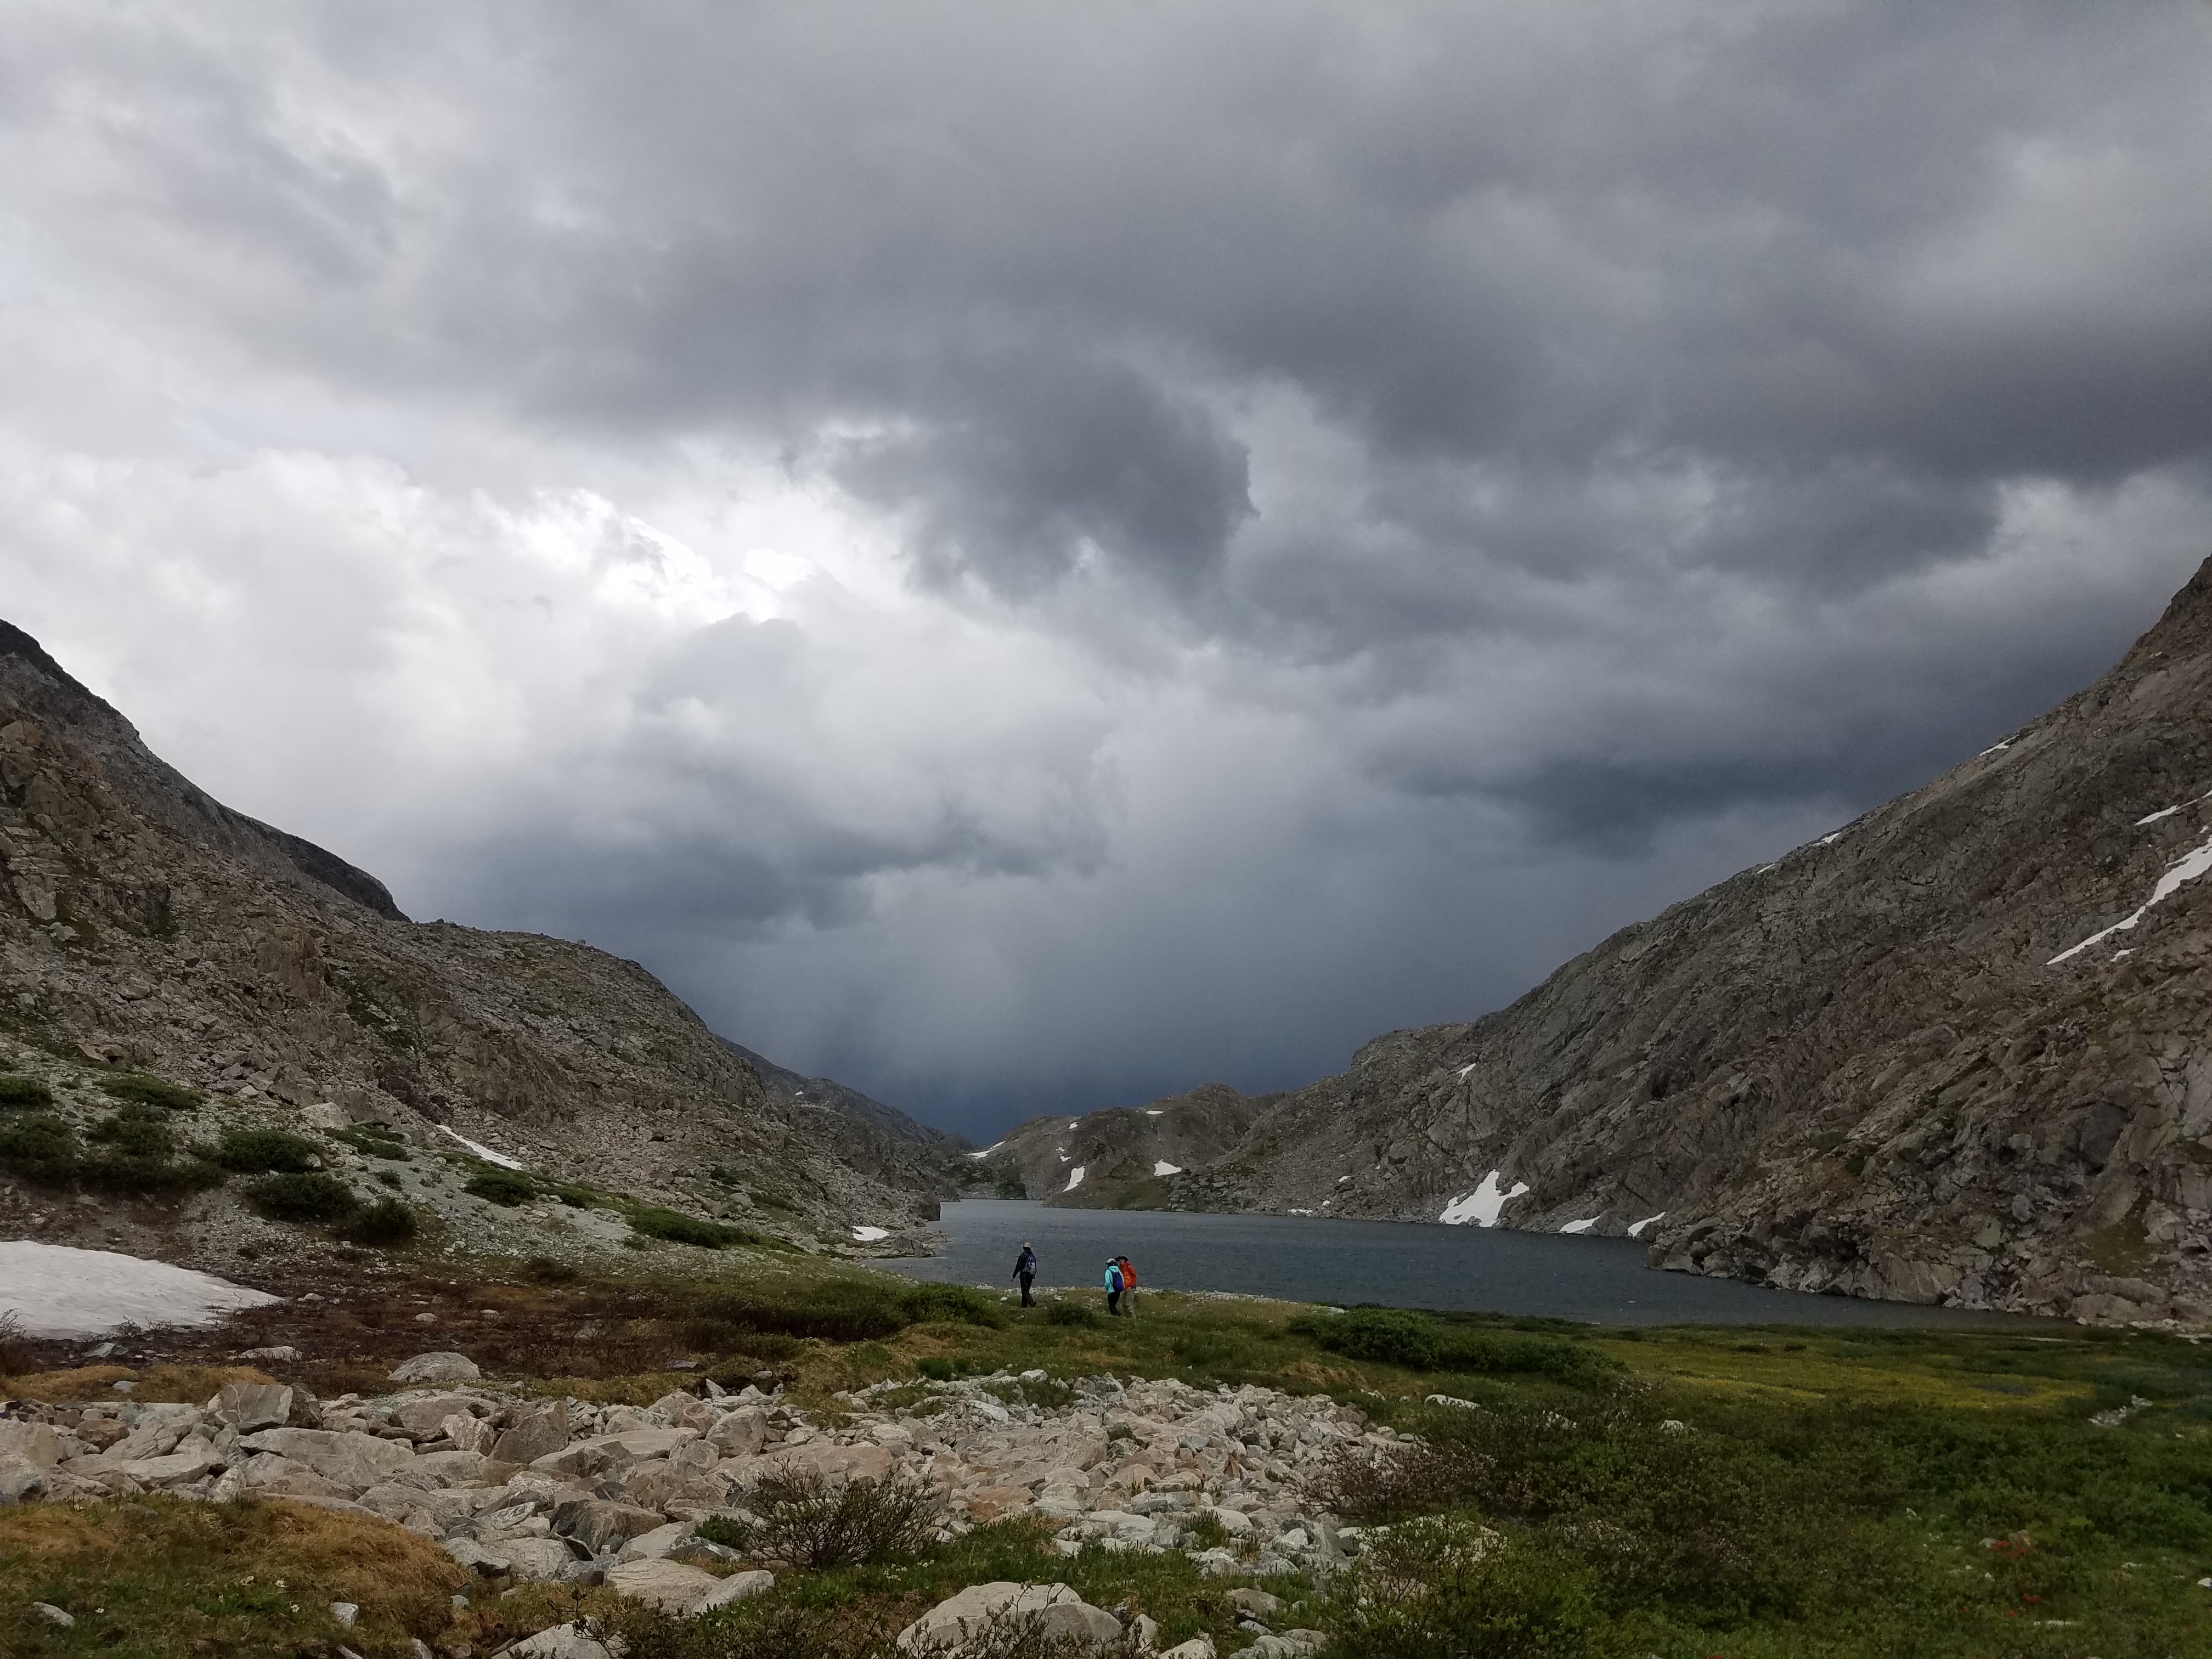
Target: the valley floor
(1291, 1481)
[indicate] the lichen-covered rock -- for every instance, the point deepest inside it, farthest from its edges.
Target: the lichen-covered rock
(1058, 1614)
(672, 1586)
(440, 1367)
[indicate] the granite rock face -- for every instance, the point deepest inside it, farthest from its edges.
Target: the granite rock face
(146, 926)
(1129, 1156)
(1958, 1051)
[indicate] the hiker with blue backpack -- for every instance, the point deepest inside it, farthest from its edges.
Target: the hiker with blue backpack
(1114, 1285)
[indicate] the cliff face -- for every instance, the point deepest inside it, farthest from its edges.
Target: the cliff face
(1127, 1156)
(144, 925)
(1960, 1050)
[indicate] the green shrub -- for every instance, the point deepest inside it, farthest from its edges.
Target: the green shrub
(936, 1368)
(1420, 1342)
(148, 1090)
(800, 1517)
(678, 1228)
(137, 1133)
(506, 1188)
(373, 1140)
(261, 1151)
(24, 1092)
(959, 1304)
(386, 1223)
(1064, 1312)
(303, 1198)
(1447, 1589)
(34, 1140)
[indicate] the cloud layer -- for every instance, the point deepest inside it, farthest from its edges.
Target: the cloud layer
(1025, 558)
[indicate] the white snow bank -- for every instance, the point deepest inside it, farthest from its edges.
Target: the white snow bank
(1580, 1226)
(1074, 1179)
(1150, 1112)
(988, 1150)
(870, 1235)
(1163, 1167)
(1464, 1069)
(1483, 1205)
(2191, 865)
(60, 1292)
(1831, 838)
(2162, 812)
(1636, 1228)
(1994, 749)
(484, 1151)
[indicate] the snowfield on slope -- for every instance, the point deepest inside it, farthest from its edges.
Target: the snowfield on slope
(60, 1292)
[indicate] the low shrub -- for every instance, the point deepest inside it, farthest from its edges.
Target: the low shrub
(138, 1133)
(1447, 1589)
(677, 1227)
(383, 1225)
(936, 1368)
(147, 1090)
(44, 1151)
(303, 1198)
(375, 1141)
(800, 1517)
(265, 1151)
(958, 1304)
(26, 1141)
(24, 1092)
(1421, 1342)
(504, 1187)
(1070, 1313)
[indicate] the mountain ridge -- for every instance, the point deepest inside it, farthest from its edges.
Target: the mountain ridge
(1915, 1058)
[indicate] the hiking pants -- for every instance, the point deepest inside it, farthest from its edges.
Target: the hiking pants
(1113, 1302)
(1028, 1280)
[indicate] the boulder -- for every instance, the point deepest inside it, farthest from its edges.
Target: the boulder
(561, 1642)
(990, 1504)
(1059, 1614)
(473, 1555)
(534, 1433)
(537, 1560)
(669, 1585)
(1199, 1647)
(158, 1430)
(662, 1486)
(740, 1433)
(34, 1443)
(834, 1463)
(21, 1479)
(469, 1433)
(441, 1367)
(601, 1526)
(425, 1418)
(1257, 1602)
(247, 1407)
(736, 1588)
(189, 1463)
(351, 1458)
(657, 1544)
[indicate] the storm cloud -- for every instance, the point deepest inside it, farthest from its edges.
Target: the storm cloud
(1023, 557)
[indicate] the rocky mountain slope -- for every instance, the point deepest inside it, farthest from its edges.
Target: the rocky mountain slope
(147, 929)
(1125, 1156)
(879, 1139)
(1960, 1050)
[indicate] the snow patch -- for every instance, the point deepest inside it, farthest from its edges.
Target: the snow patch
(1830, 840)
(1464, 1069)
(484, 1151)
(988, 1150)
(2162, 812)
(1074, 1179)
(1163, 1167)
(57, 1290)
(870, 1235)
(1483, 1205)
(1994, 749)
(2191, 865)
(1152, 1112)
(1636, 1228)
(1580, 1226)
(1301, 1211)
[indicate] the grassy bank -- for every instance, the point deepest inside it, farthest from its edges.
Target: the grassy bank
(1750, 1493)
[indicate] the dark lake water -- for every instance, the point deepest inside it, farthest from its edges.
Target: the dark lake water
(1601, 1280)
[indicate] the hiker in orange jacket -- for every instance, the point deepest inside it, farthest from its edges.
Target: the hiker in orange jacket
(1128, 1283)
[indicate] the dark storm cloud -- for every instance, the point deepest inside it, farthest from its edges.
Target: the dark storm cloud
(1363, 453)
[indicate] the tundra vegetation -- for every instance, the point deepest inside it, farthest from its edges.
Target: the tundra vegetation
(1754, 1493)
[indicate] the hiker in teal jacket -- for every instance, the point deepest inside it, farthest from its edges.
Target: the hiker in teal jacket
(1113, 1285)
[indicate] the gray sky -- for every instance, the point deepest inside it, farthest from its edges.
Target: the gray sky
(1026, 556)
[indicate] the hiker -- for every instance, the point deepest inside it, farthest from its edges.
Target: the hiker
(1113, 1285)
(1128, 1283)
(1025, 1270)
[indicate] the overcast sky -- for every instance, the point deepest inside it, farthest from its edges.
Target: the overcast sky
(1025, 556)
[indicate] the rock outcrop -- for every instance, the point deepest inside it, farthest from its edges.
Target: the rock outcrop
(145, 927)
(1126, 1156)
(1960, 1050)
